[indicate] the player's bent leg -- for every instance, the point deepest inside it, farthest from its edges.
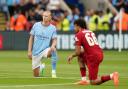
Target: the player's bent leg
(101, 80)
(39, 71)
(93, 76)
(36, 72)
(82, 68)
(93, 62)
(54, 59)
(36, 64)
(53, 54)
(114, 76)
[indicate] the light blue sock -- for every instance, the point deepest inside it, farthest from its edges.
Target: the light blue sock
(54, 59)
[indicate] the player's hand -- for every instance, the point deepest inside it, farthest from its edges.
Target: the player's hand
(69, 59)
(30, 55)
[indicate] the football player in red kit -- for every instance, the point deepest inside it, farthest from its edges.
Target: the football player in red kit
(93, 55)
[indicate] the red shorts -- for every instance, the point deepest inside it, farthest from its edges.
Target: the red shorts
(92, 62)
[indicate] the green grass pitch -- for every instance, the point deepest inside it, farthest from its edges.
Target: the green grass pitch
(16, 72)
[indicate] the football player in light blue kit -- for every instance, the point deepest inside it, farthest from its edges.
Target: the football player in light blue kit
(42, 44)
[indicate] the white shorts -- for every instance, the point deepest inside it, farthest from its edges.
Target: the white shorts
(36, 60)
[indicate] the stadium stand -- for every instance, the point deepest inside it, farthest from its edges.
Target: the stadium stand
(64, 13)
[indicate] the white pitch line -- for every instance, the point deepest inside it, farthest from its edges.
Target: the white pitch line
(37, 85)
(75, 78)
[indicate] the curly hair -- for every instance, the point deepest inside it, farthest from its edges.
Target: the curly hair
(81, 23)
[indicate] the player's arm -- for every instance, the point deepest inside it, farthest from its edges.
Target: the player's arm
(77, 47)
(77, 51)
(75, 54)
(30, 44)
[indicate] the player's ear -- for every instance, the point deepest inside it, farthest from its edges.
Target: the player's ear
(50, 18)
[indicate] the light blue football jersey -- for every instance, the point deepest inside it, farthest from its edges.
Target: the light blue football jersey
(42, 37)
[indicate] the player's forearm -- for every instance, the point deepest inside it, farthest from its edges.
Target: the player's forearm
(74, 55)
(30, 43)
(77, 51)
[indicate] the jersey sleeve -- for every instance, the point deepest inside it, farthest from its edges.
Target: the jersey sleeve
(54, 33)
(78, 40)
(32, 32)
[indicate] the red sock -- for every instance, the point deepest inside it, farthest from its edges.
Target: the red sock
(83, 72)
(105, 78)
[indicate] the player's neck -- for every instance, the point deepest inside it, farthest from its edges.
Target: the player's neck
(45, 23)
(81, 29)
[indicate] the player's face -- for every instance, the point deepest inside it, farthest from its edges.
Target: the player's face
(46, 17)
(76, 28)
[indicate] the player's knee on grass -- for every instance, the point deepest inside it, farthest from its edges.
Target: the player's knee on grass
(96, 82)
(92, 82)
(36, 72)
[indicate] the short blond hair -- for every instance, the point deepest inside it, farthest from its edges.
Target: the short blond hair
(48, 12)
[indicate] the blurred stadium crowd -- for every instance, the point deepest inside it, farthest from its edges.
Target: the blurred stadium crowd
(20, 15)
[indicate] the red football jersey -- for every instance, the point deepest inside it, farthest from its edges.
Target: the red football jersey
(88, 40)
